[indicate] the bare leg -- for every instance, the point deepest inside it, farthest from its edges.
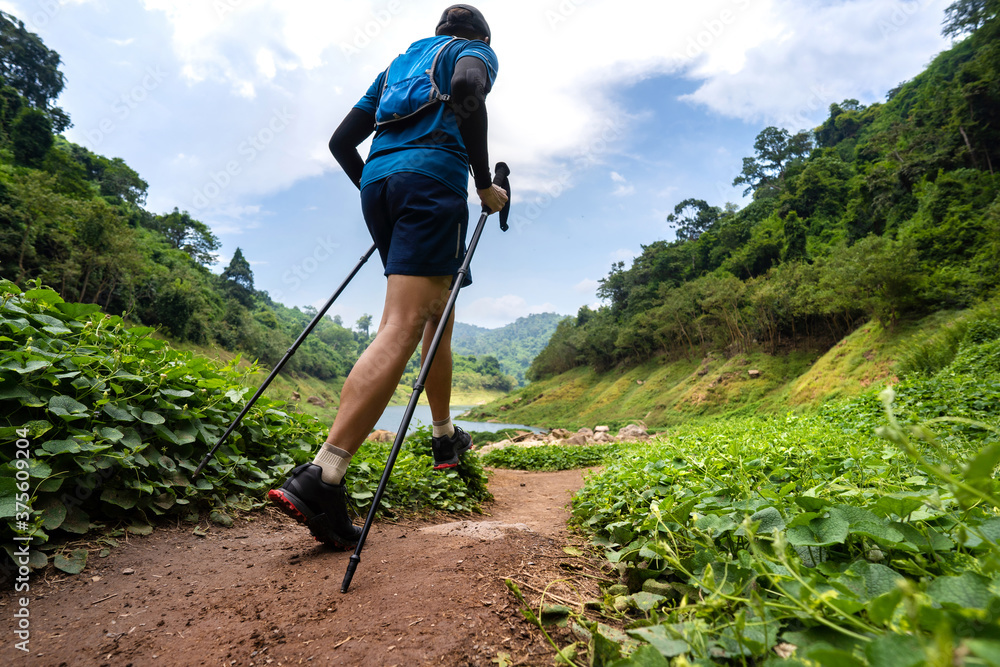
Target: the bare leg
(438, 384)
(410, 303)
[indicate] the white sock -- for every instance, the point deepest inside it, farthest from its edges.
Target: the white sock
(441, 428)
(333, 461)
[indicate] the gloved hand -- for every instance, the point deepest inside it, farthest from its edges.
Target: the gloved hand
(492, 197)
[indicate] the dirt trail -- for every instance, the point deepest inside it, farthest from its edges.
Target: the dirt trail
(264, 593)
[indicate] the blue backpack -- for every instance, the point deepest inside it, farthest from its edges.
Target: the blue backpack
(408, 87)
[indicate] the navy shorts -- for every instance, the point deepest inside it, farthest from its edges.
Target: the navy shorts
(418, 224)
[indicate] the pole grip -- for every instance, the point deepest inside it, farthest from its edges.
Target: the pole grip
(501, 178)
(501, 172)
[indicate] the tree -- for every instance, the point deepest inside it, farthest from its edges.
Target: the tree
(795, 238)
(238, 278)
(776, 149)
(698, 217)
(192, 236)
(364, 323)
(32, 137)
(966, 16)
(31, 68)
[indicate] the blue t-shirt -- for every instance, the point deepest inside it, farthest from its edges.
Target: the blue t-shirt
(430, 142)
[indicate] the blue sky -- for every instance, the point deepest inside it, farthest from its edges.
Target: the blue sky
(609, 113)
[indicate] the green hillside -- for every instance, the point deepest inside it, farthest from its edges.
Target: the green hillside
(878, 218)
(515, 345)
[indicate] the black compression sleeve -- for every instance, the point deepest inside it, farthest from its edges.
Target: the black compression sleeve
(469, 87)
(354, 129)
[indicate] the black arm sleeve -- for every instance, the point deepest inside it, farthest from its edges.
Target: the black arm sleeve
(354, 129)
(469, 87)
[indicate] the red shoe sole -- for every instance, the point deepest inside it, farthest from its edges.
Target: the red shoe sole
(285, 505)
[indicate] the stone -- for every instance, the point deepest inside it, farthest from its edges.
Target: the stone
(296, 396)
(754, 373)
(382, 436)
(586, 432)
(577, 439)
(317, 401)
(560, 433)
(633, 432)
(602, 429)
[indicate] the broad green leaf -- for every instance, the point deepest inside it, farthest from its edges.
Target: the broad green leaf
(118, 413)
(153, 418)
(990, 530)
(8, 496)
(895, 651)
(45, 320)
(44, 295)
(822, 532)
(72, 563)
(112, 434)
(29, 366)
(880, 609)
(63, 405)
(644, 656)
(124, 498)
(900, 505)
(869, 580)
(879, 531)
(967, 591)
(69, 446)
(647, 601)
(986, 649)
(925, 538)
(177, 393)
(770, 519)
(715, 525)
(77, 521)
(854, 515)
(603, 650)
(53, 512)
(811, 503)
(668, 645)
(56, 330)
(39, 469)
(78, 311)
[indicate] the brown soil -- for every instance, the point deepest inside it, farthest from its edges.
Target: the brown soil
(264, 593)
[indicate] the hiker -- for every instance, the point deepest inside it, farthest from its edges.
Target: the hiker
(414, 198)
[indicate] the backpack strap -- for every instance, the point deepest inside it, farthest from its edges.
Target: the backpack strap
(435, 95)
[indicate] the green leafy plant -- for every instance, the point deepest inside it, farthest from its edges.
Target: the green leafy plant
(103, 425)
(549, 457)
(813, 536)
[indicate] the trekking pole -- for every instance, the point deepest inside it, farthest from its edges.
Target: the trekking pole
(284, 360)
(502, 172)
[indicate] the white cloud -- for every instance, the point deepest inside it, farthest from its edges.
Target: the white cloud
(824, 53)
(622, 255)
(586, 286)
(492, 312)
(556, 108)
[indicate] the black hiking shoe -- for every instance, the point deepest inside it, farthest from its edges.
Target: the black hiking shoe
(448, 448)
(320, 506)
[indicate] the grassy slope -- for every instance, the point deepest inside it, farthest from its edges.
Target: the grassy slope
(663, 394)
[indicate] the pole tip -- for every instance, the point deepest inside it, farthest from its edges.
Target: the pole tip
(351, 567)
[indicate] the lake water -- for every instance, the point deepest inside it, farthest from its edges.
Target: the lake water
(393, 416)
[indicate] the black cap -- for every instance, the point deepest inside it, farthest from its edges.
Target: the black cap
(475, 23)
